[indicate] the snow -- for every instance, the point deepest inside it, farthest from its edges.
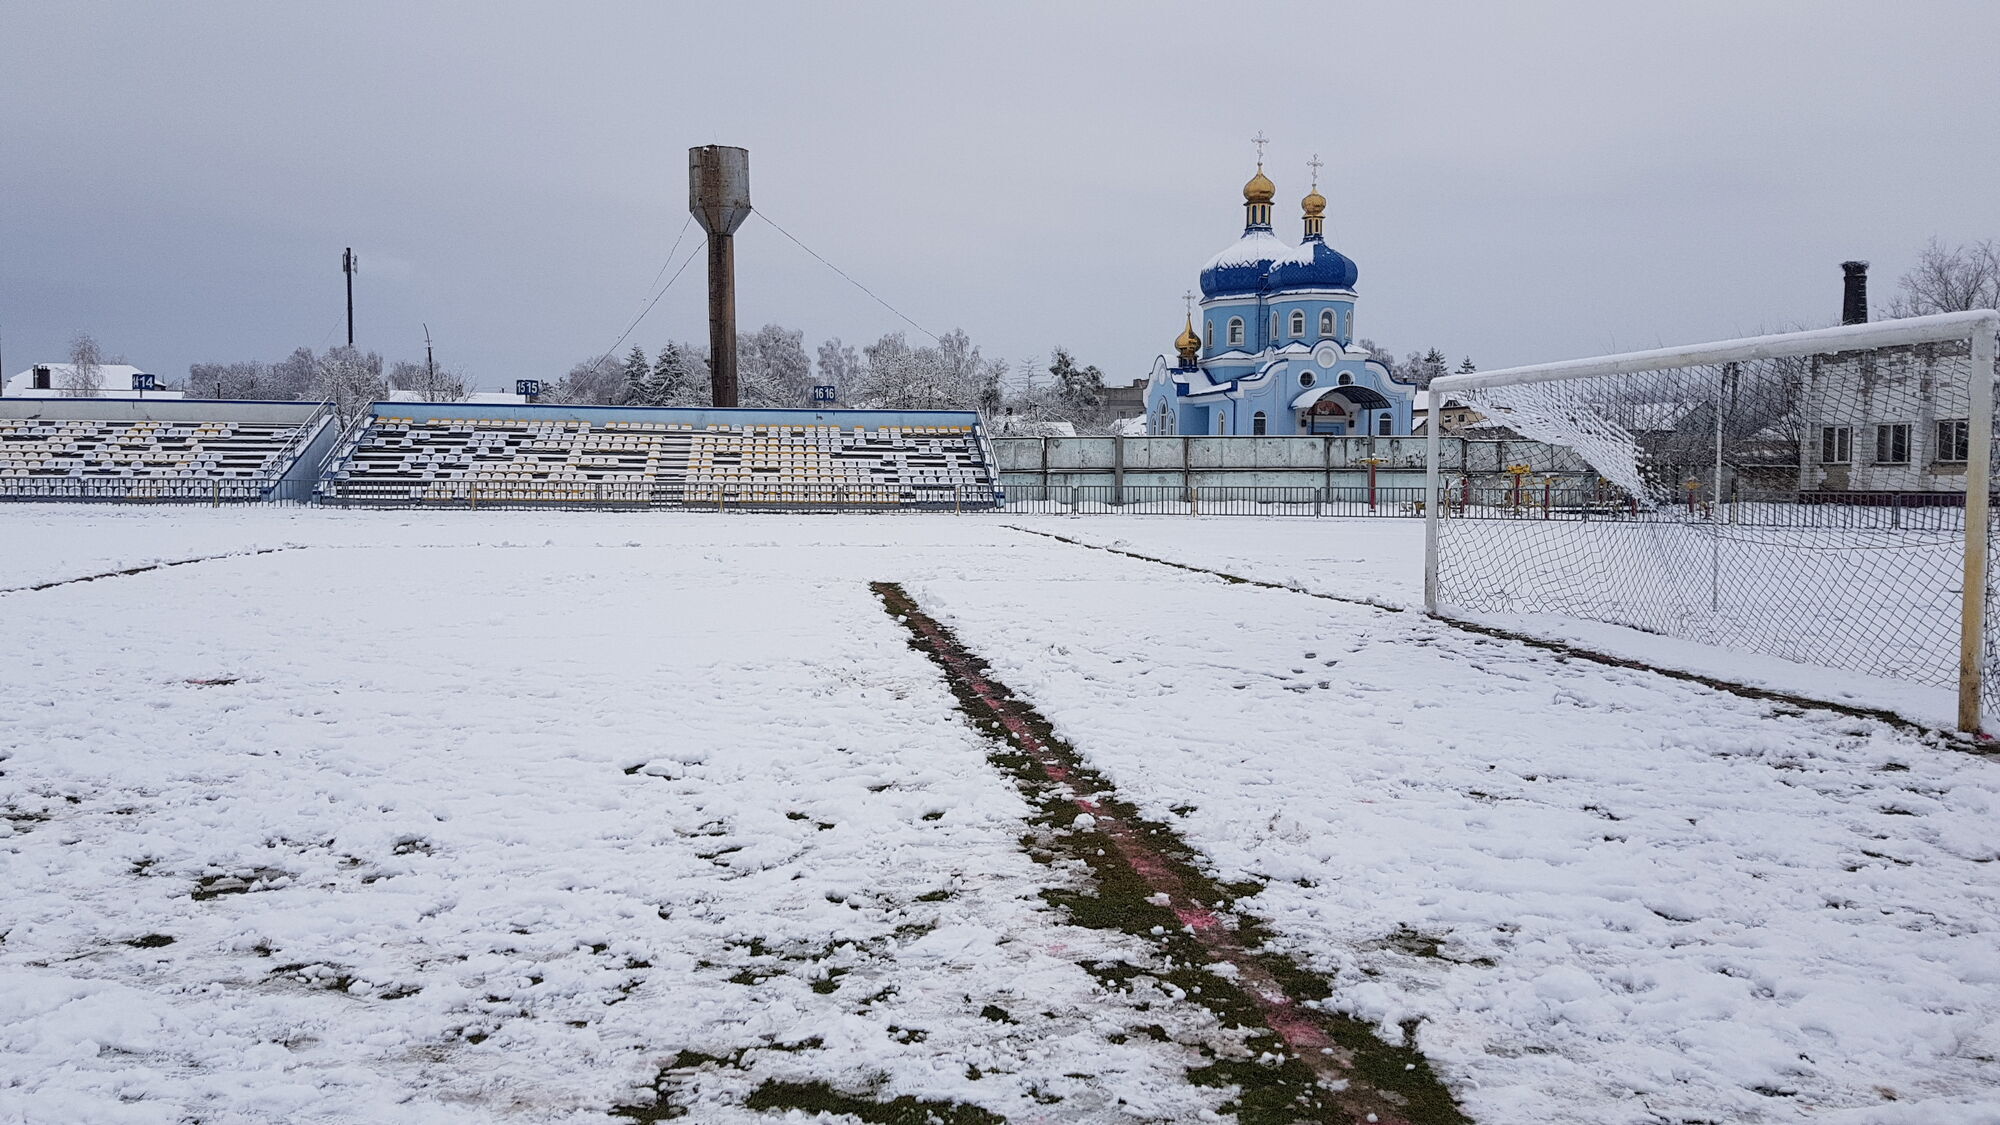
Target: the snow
(114, 380)
(1260, 246)
(460, 816)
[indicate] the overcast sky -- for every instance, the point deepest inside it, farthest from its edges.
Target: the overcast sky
(1517, 181)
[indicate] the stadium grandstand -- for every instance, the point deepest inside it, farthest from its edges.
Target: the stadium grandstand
(420, 454)
(461, 453)
(160, 448)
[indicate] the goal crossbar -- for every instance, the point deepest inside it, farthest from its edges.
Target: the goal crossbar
(1976, 329)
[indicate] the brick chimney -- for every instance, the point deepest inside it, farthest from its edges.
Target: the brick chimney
(1854, 293)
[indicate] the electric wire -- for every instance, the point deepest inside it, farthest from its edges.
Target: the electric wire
(630, 328)
(843, 273)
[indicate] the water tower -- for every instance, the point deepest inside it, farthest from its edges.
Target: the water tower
(719, 196)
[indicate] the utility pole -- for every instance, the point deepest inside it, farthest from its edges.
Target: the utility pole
(347, 263)
(430, 368)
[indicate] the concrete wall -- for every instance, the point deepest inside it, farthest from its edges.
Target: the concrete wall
(158, 410)
(1261, 462)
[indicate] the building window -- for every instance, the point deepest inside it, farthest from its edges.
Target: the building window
(1326, 323)
(1952, 440)
(1274, 326)
(1258, 423)
(1836, 445)
(1305, 378)
(1892, 444)
(41, 378)
(1208, 332)
(1385, 424)
(1166, 421)
(1298, 322)
(1221, 421)
(1346, 380)
(1236, 330)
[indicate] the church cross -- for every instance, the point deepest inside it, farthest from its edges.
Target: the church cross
(1187, 299)
(1315, 165)
(1260, 140)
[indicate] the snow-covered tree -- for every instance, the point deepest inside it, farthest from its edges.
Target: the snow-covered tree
(950, 376)
(350, 379)
(443, 384)
(599, 380)
(840, 366)
(85, 359)
(1466, 367)
(772, 369)
(1080, 389)
(677, 378)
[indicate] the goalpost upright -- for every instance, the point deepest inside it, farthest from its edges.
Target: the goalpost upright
(1645, 419)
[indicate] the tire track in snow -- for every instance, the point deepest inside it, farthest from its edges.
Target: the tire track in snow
(1315, 1064)
(143, 569)
(1980, 745)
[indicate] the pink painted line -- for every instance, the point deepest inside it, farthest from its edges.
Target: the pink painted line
(1213, 928)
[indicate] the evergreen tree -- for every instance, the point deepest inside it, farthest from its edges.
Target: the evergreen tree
(1466, 367)
(1081, 389)
(637, 372)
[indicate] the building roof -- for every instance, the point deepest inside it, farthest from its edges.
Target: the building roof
(114, 380)
(1260, 261)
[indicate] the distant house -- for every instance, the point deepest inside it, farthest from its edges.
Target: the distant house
(58, 380)
(1887, 420)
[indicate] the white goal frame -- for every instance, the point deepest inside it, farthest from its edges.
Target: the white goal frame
(1977, 329)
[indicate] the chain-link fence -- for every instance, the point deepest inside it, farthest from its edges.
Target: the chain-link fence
(1807, 503)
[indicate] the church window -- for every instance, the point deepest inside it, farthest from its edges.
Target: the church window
(1274, 326)
(1236, 330)
(1208, 330)
(1258, 423)
(1346, 380)
(1326, 323)
(1384, 424)
(1305, 378)
(1298, 322)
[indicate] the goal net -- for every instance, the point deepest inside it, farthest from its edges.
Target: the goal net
(1802, 496)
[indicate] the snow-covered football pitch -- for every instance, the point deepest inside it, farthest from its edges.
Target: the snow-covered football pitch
(465, 817)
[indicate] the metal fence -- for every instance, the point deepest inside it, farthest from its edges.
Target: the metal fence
(213, 491)
(1218, 500)
(679, 496)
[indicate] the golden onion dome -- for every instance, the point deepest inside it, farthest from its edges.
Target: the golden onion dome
(1315, 204)
(1187, 341)
(1260, 189)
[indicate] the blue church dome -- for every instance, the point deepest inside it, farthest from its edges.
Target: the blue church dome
(1243, 266)
(1326, 268)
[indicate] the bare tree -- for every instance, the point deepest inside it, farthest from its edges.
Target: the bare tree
(85, 359)
(597, 380)
(1950, 280)
(441, 384)
(350, 379)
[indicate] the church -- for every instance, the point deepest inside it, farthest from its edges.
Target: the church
(1275, 353)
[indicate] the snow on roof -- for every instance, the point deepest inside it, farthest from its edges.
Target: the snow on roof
(1259, 246)
(114, 380)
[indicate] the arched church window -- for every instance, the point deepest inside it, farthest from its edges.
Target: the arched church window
(1208, 332)
(1305, 378)
(1274, 326)
(1298, 322)
(1346, 380)
(1258, 423)
(1236, 330)
(1326, 323)
(1384, 424)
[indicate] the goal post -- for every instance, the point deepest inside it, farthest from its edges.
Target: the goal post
(1821, 497)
